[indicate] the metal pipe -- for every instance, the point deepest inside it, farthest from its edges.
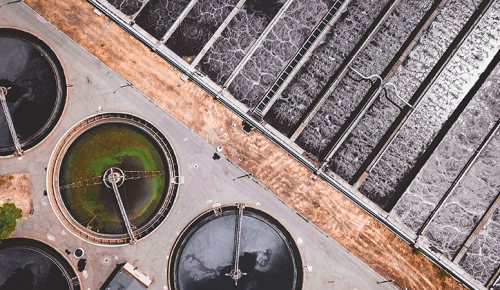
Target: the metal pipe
(340, 72)
(396, 93)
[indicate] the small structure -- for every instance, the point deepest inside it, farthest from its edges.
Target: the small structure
(126, 277)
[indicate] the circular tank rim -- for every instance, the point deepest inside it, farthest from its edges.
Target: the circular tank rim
(58, 67)
(190, 228)
(47, 253)
(60, 210)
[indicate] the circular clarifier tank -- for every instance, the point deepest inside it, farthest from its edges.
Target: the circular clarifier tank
(235, 248)
(31, 265)
(113, 179)
(32, 91)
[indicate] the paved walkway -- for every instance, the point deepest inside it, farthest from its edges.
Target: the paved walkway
(206, 181)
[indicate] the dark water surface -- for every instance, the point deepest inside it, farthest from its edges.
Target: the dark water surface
(128, 7)
(206, 256)
(199, 25)
(24, 268)
(158, 15)
(33, 97)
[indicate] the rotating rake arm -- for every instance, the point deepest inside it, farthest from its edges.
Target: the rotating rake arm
(134, 175)
(123, 212)
(8, 118)
(129, 175)
(82, 183)
(236, 273)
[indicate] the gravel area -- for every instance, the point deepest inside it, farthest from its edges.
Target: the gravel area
(15, 188)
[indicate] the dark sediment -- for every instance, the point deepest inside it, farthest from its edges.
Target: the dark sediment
(37, 90)
(235, 41)
(128, 7)
(199, 25)
(30, 265)
(205, 255)
(448, 92)
(277, 49)
(157, 16)
(298, 98)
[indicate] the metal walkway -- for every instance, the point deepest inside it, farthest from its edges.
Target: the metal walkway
(115, 178)
(3, 100)
(129, 175)
(315, 34)
(236, 273)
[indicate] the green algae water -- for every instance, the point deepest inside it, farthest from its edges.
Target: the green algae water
(113, 145)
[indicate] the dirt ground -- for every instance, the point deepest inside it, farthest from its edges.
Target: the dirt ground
(15, 188)
(316, 200)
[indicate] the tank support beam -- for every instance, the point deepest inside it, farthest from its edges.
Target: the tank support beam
(114, 181)
(3, 100)
(458, 179)
(218, 32)
(236, 273)
(477, 230)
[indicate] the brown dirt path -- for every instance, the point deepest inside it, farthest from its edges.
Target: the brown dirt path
(316, 200)
(15, 188)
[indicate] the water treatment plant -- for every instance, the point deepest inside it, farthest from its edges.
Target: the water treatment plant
(250, 144)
